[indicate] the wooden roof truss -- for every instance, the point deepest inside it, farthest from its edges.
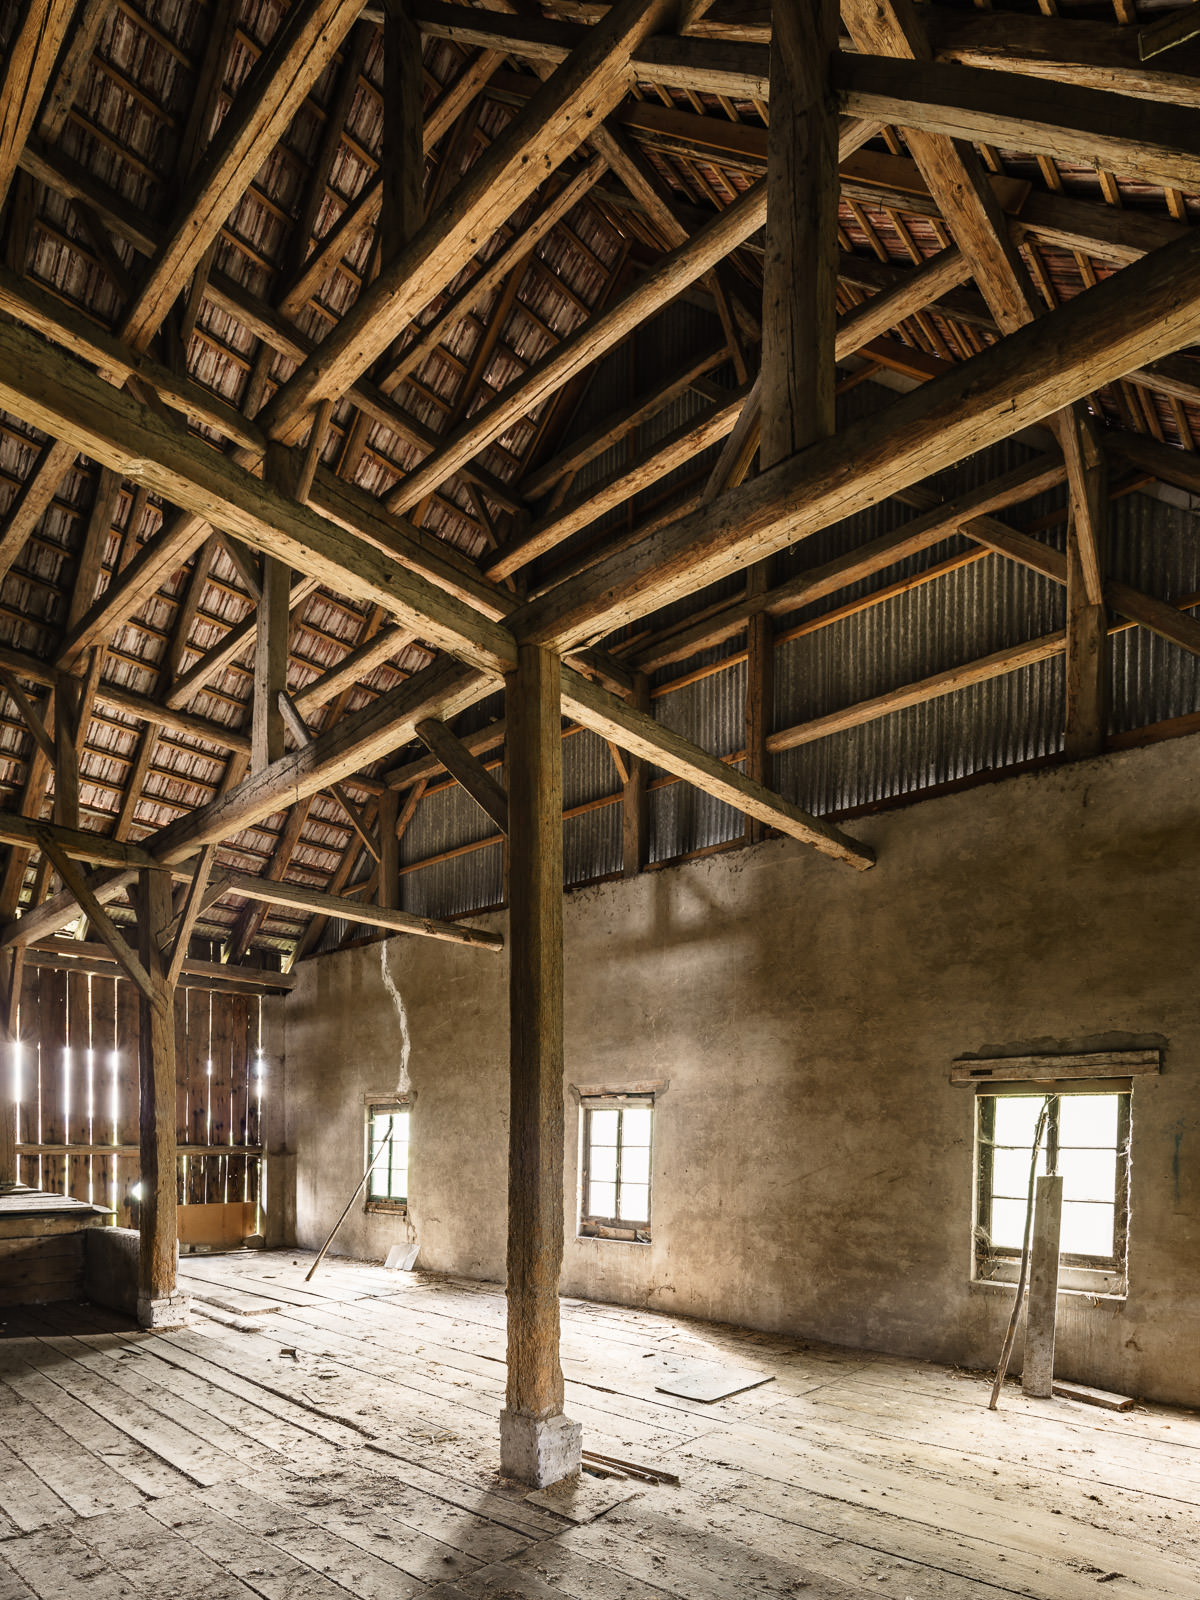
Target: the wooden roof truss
(299, 304)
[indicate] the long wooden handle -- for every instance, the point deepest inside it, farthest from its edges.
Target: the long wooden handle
(370, 1169)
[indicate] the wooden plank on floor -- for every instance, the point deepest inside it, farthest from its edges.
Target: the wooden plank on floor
(1026, 1529)
(122, 1455)
(256, 1422)
(271, 1571)
(157, 1561)
(164, 1438)
(12, 1587)
(25, 1500)
(367, 1519)
(74, 1474)
(105, 1356)
(1061, 1449)
(57, 1565)
(361, 1573)
(187, 1352)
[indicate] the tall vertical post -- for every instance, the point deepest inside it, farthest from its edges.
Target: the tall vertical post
(799, 298)
(159, 1305)
(388, 889)
(1037, 1372)
(1087, 620)
(800, 266)
(635, 797)
(537, 1443)
(10, 982)
(270, 664)
(8, 1117)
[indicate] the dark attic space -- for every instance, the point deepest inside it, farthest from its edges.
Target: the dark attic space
(599, 799)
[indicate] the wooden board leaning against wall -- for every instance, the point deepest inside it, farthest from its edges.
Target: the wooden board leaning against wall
(75, 1083)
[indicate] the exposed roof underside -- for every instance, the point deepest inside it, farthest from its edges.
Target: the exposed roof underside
(197, 196)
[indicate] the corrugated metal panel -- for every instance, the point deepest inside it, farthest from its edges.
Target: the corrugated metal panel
(711, 712)
(449, 888)
(588, 770)
(1155, 547)
(592, 845)
(962, 617)
(445, 820)
(985, 726)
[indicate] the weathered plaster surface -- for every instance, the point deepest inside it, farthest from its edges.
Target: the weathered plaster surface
(813, 1165)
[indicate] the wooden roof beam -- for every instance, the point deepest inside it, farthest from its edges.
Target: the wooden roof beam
(466, 769)
(685, 442)
(614, 427)
(912, 292)
(28, 69)
(304, 43)
(496, 270)
(1148, 311)
(1092, 55)
(654, 290)
(1149, 141)
(354, 741)
(312, 901)
(739, 70)
(579, 94)
(60, 395)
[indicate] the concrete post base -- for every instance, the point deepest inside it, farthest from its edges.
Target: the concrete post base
(172, 1311)
(539, 1450)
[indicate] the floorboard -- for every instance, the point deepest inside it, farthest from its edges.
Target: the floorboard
(344, 1444)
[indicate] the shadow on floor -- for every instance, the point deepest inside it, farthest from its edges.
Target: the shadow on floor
(61, 1318)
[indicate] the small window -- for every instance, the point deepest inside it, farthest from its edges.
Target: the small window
(387, 1156)
(1086, 1141)
(616, 1168)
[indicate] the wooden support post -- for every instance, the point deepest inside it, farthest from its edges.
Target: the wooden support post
(1086, 664)
(159, 1305)
(388, 888)
(1087, 619)
(9, 969)
(270, 665)
(1037, 1374)
(537, 1443)
(66, 763)
(799, 301)
(760, 690)
(800, 267)
(635, 797)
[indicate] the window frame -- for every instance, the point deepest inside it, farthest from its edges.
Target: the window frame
(377, 1106)
(1082, 1273)
(589, 1225)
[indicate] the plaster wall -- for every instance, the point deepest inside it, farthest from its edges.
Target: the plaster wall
(813, 1164)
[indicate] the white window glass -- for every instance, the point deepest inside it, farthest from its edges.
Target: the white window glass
(616, 1179)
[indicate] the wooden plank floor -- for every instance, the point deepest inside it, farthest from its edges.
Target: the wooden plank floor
(344, 1443)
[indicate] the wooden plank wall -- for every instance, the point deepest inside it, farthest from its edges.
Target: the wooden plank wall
(77, 1091)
